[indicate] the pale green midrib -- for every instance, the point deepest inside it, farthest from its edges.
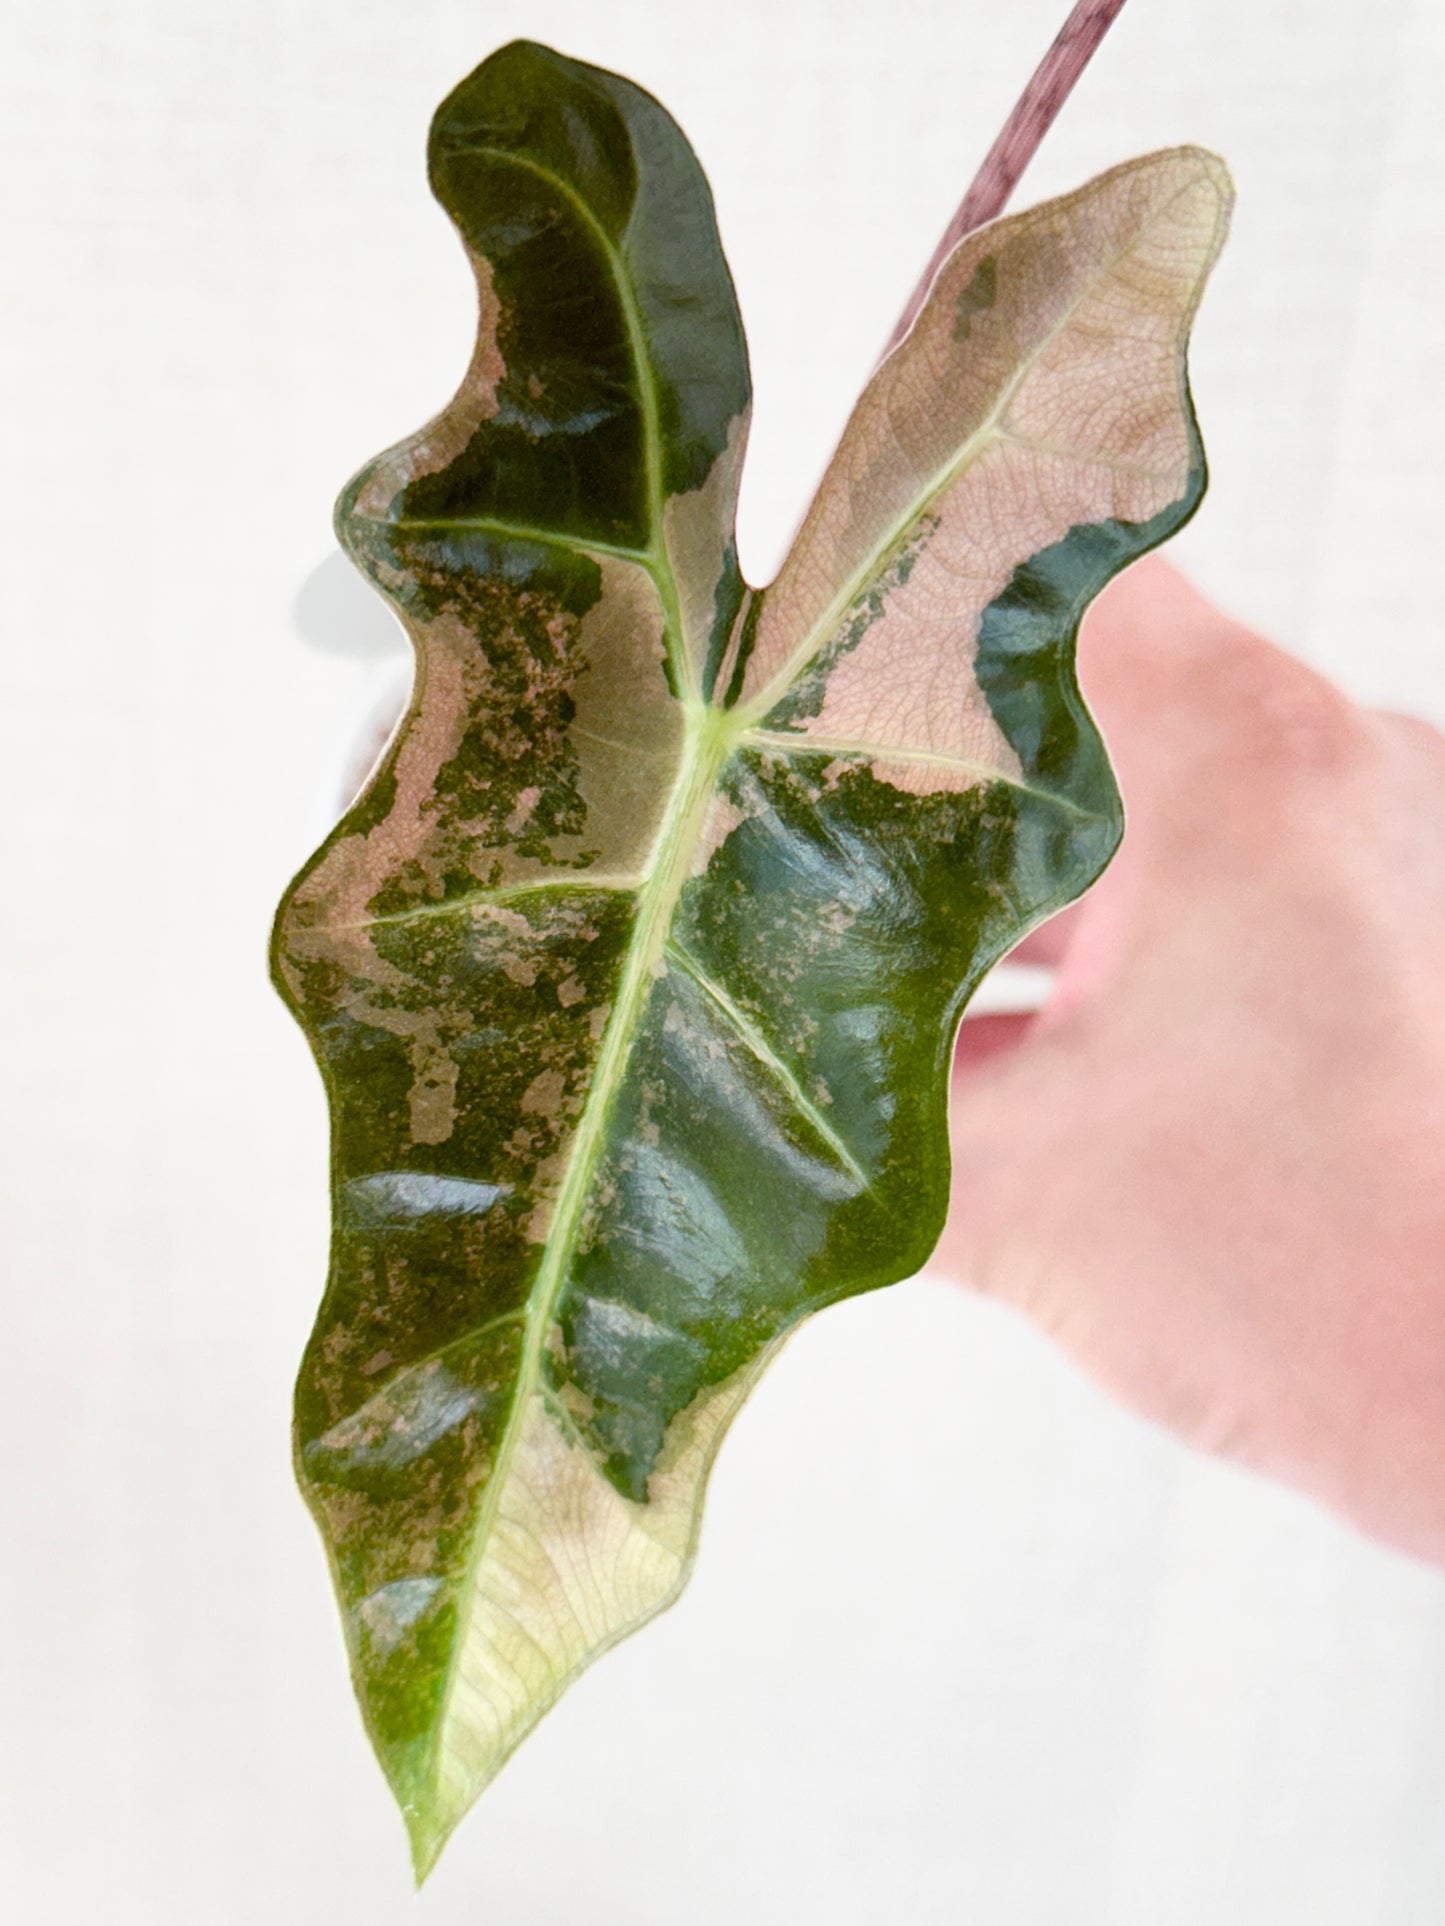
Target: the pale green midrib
(983, 437)
(788, 744)
(658, 562)
(707, 744)
(764, 1053)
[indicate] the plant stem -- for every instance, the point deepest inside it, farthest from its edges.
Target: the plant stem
(1031, 119)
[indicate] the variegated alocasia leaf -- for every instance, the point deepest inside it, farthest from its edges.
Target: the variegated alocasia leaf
(634, 972)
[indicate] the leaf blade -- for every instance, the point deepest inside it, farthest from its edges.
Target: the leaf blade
(634, 1003)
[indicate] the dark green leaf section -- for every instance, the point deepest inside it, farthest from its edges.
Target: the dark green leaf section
(1027, 638)
(598, 225)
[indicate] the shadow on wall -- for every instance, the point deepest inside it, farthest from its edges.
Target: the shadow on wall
(338, 614)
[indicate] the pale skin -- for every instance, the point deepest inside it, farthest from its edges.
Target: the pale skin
(1213, 1169)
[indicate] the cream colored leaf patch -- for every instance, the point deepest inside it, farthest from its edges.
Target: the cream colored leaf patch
(567, 1568)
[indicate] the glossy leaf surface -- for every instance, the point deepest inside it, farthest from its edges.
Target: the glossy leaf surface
(634, 972)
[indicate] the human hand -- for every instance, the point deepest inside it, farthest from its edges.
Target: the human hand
(1213, 1168)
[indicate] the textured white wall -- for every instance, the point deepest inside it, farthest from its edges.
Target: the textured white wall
(964, 1644)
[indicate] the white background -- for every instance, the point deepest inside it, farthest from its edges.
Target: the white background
(964, 1643)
